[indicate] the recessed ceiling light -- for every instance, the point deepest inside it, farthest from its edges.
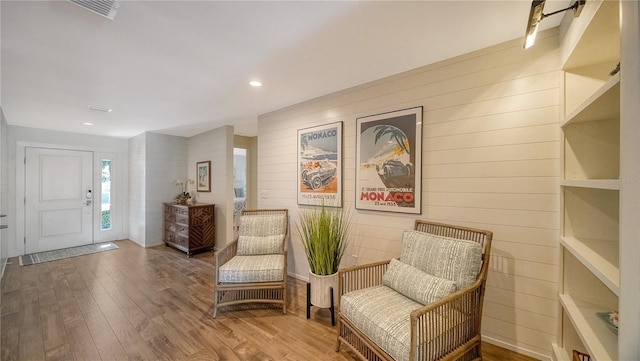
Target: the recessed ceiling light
(87, 123)
(100, 109)
(255, 83)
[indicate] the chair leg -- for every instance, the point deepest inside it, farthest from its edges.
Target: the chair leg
(284, 299)
(215, 304)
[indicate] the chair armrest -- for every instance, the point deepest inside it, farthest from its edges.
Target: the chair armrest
(224, 254)
(359, 277)
(444, 326)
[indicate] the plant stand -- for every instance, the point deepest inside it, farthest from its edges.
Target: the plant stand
(320, 293)
(331, 307)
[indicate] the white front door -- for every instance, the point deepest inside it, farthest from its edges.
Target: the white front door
(58, 199)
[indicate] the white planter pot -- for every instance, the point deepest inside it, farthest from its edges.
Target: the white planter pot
(320, 289)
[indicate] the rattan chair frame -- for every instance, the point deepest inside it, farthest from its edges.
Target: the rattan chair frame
(460, 313)
(230, 294)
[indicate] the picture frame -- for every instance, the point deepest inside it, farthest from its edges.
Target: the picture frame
(320, 165)
(203, 176)
(389, 161)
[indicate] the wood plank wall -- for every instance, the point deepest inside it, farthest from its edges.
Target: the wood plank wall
(216, 146)
(136, 188)
(165, 162)
(490, 160)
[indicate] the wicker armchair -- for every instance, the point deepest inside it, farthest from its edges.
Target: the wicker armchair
(253, 268)
(447, 329)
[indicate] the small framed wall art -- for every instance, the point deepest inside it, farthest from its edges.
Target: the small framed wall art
(320, 165)
(389, 162)
(203, 176)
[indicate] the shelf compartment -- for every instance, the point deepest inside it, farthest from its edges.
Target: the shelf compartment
(601, 343)
(591, 213)
(592, 150)
(603, 103)
(598, 256)
(588, 39)
(570, 341)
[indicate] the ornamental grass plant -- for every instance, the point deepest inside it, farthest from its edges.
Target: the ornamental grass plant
(324, 235)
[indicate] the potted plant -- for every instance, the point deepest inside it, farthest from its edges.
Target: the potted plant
(184, 194)
(324, 235)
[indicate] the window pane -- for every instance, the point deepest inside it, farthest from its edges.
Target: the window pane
(106, 195)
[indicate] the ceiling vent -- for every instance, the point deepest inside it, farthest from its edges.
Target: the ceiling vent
(106, 8)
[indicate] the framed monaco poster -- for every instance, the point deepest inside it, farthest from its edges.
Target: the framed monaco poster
(320, 165)
(389, 161)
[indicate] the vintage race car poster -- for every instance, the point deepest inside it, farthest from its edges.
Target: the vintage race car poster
(389, 162)
(320, 165)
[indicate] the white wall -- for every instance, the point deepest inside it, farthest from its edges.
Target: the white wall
(137, 191)
(21, 137)
(156, 162)
(216, 146)
(166, 162)
(490, 160)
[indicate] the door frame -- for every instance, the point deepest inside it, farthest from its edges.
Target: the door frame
(20, 216)
(16, 152)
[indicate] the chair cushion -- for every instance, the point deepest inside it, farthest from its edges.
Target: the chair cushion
(257, 245)
(388, 327)
(453, 259)
(263, 225)
(416, 284)
(248, 269)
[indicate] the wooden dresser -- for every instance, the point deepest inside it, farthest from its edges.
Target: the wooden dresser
(189, 228)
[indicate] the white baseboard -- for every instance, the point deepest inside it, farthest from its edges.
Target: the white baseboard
(306, 279)
(136, 242)
(146, 245)
(153, 245)
(535, 355)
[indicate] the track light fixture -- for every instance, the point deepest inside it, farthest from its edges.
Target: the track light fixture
(536, 15)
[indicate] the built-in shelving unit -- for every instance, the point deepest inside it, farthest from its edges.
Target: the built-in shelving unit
(590, 185)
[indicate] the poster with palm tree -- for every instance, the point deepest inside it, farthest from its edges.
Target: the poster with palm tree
(389, 162)
(320, 165)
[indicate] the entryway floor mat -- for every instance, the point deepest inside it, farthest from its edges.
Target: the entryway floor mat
(48, 256)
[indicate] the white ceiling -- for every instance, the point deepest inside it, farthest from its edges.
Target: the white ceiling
(183, 67)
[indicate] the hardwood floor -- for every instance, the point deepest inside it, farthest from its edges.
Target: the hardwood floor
(153, 304)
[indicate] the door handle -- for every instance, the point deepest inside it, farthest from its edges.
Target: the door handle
(3, 226)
